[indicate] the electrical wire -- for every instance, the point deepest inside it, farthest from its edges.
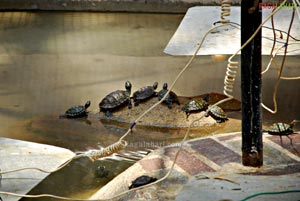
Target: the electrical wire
(225, 11)
(281, 69)
(266, 27)
(272, 61)
(42, 170)
(229, 76)
(94, 155)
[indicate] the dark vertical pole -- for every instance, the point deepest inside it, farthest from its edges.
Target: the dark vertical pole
(252, 146)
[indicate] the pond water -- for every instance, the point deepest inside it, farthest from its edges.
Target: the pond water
(51, 61)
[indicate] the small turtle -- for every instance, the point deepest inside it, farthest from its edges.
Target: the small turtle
(115, 100)
(282, 129)
(144, 93)
(76, 111)
(170, 99)
(101, 172)
(195, 106)
(217, 113)
(141, 181)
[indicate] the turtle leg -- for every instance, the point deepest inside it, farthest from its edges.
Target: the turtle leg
(219, 120)
(62, 116)
(281, 140)
(108, 114)
(206, 114)
(291, 140)
(169, 105)
(129, 104)
(136, 103)
(187, 115)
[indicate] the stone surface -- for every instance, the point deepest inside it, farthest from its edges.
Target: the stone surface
(215, 151)
(188, 162)
(214, 172)
(16, 154)
(152, 164)
(218, 189)
(286, 143)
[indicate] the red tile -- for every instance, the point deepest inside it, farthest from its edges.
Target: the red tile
(286, 143)
(187, 161)
(215, 151)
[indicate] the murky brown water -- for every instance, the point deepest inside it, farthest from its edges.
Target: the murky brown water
(51, 61)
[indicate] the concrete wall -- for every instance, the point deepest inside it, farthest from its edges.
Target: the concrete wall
(162, 6)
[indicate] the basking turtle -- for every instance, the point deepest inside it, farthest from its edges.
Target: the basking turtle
(144, 93)
(115, 100)
(217, 113)
(141, 181)
(282, 129)
(76, 111)
(195, 106)
(170, 99)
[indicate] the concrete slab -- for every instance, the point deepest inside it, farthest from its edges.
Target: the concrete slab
(226, 40)
(16, 154)
(202, 188)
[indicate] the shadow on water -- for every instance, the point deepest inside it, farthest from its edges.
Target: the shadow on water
(81, 178)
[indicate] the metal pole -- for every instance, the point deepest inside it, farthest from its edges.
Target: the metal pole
(252, 146)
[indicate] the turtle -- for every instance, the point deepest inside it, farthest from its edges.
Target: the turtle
(76, 111)
(141, 181)
(282, 129)
(144, 93)
(170, 99)
(101, 172)
(217, 113)
(115, 100)
(195, 106)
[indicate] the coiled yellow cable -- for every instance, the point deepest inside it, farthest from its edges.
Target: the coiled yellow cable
(225, 11)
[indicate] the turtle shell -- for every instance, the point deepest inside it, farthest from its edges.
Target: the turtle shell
(217, 113)
(145, 93)
(141, 181)
(172, 97)
(114, 99)
(280, 129)
(77, 111)
(194, 106)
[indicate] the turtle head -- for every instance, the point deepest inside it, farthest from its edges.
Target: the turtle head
(165, 86)
(87, 104)
(294, 122)
(155, 85)
(206, 98)
(128, 86)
